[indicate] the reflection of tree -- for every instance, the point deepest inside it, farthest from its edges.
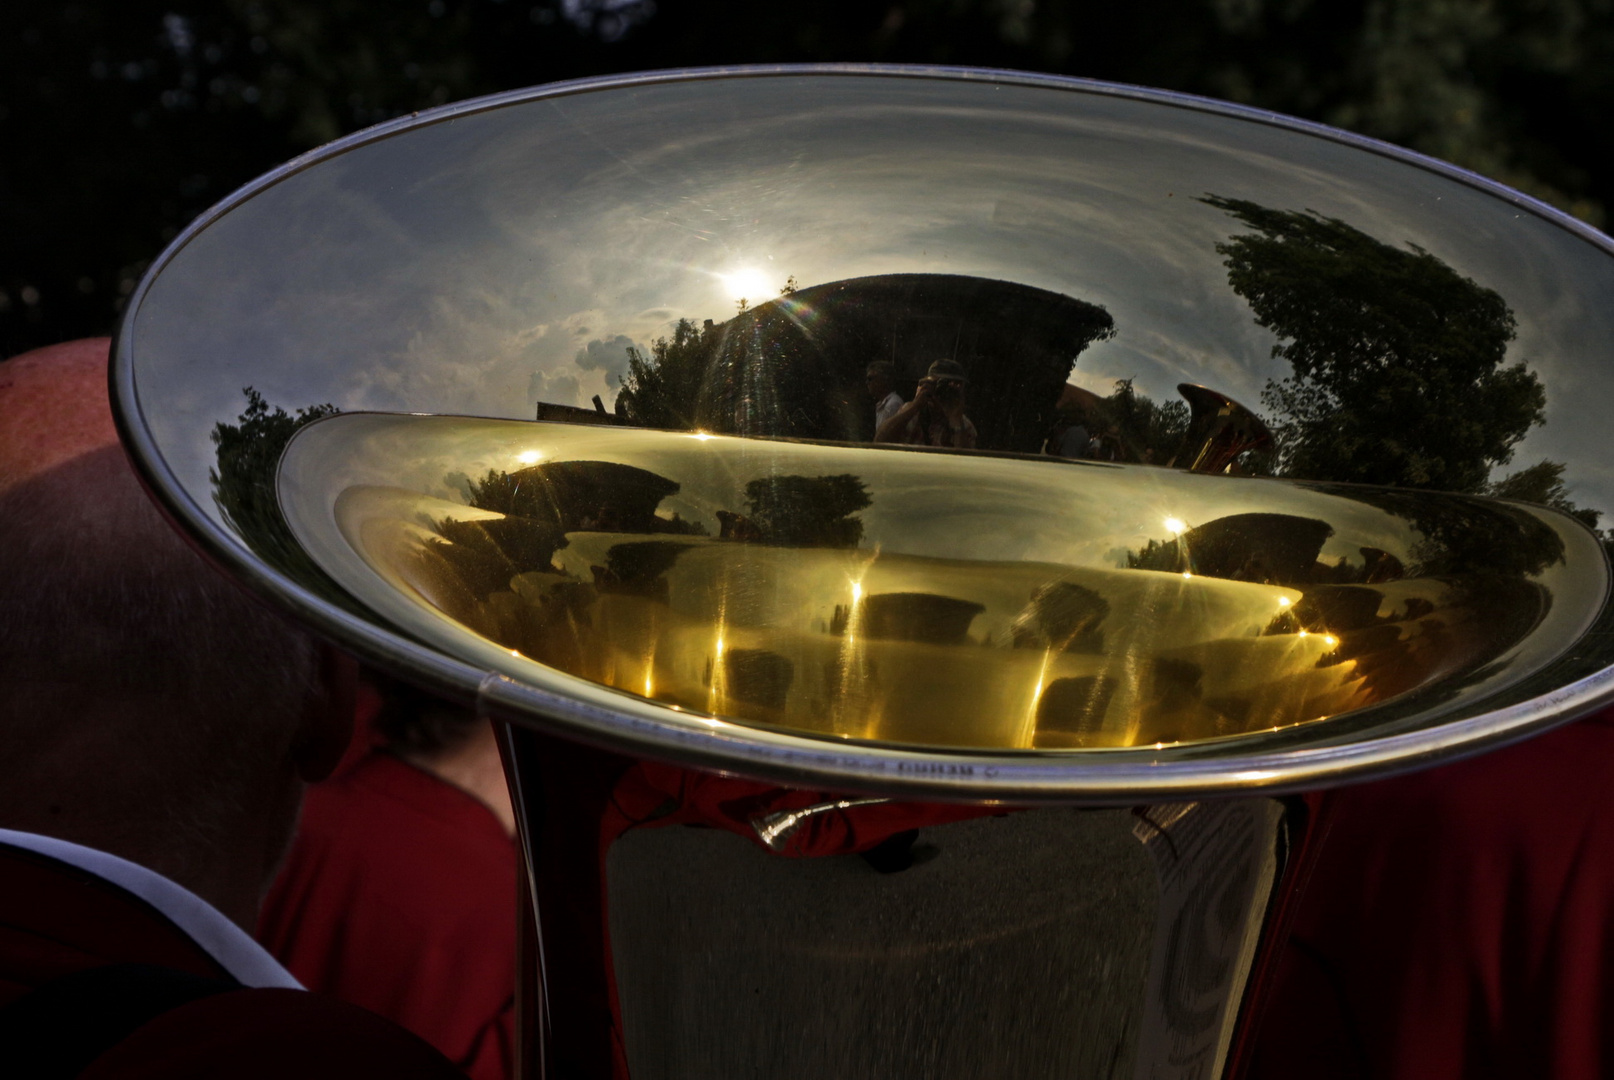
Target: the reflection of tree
(244, 483)
(1542, 484)
(665, 389)
(1460, 536)
(602, 496)
(794, 366)
(807, 511)
(541, 505)
(487, 554)
(1062, 616)
(1466, 536)
(908, 616)
(639, 567)
(1274, 549)
(1397, 358)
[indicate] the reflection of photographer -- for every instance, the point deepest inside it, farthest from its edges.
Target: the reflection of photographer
(935, 416)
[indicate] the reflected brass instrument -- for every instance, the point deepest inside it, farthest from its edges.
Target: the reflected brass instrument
(858, 524)
(1220, 431)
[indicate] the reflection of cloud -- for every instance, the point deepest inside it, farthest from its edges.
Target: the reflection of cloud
(553, 388)
(460, 483)
(608, 355)
(438, 270)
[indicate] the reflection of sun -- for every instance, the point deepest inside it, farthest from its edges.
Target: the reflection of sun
(749, 284)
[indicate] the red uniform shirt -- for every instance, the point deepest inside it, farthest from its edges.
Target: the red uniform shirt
(400, 895)
(1459, 924)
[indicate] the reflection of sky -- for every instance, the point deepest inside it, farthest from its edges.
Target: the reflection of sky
(482, 263)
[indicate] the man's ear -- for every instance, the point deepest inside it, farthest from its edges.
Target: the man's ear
(327, 723)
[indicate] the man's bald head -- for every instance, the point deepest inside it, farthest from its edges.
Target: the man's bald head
(147, 706)
(53, 407)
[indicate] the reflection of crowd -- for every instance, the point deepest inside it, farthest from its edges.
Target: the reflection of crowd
(1072, 437)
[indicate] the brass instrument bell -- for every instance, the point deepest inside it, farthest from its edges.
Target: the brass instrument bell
(951, 708)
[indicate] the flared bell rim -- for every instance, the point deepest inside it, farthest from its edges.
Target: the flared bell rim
(610, 719)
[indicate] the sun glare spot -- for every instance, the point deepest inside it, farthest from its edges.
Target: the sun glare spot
(750, 284)
(530, 457)
(1176, 526)
(701, 436)
(1284, 601)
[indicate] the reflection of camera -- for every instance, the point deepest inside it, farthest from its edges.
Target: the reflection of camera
(947, 390)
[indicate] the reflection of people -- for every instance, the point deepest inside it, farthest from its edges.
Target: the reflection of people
(1106, 446)
(1068, 437)
(935, 416)
(880, 377)
(1458, 924)
(156, 729)
(400, 890)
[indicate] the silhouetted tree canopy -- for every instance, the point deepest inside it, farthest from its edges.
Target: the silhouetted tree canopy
(807, 511)
(244, 480)
(1466, 537)
(543, 503)
(1542, 484)
(664, 388)
(1398, 359)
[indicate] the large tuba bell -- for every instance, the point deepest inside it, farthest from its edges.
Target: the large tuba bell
(846, 530)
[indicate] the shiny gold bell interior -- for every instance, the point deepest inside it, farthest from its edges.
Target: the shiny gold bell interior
(918, 597)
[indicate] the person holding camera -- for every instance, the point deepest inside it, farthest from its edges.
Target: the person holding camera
(935, 416)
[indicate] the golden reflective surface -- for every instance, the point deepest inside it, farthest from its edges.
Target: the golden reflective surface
(918, 597)
(1373, 366)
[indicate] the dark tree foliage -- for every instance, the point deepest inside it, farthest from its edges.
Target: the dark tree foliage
(1469, 538)
(808, 511)
(1398, 359)
(1062, 616)
(567, 496)
(244, 480)
(1542, 484)
(485, 555)
(666, 388)
(541, 505)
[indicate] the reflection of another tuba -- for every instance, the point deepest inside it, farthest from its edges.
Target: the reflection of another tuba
(1219, 430)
